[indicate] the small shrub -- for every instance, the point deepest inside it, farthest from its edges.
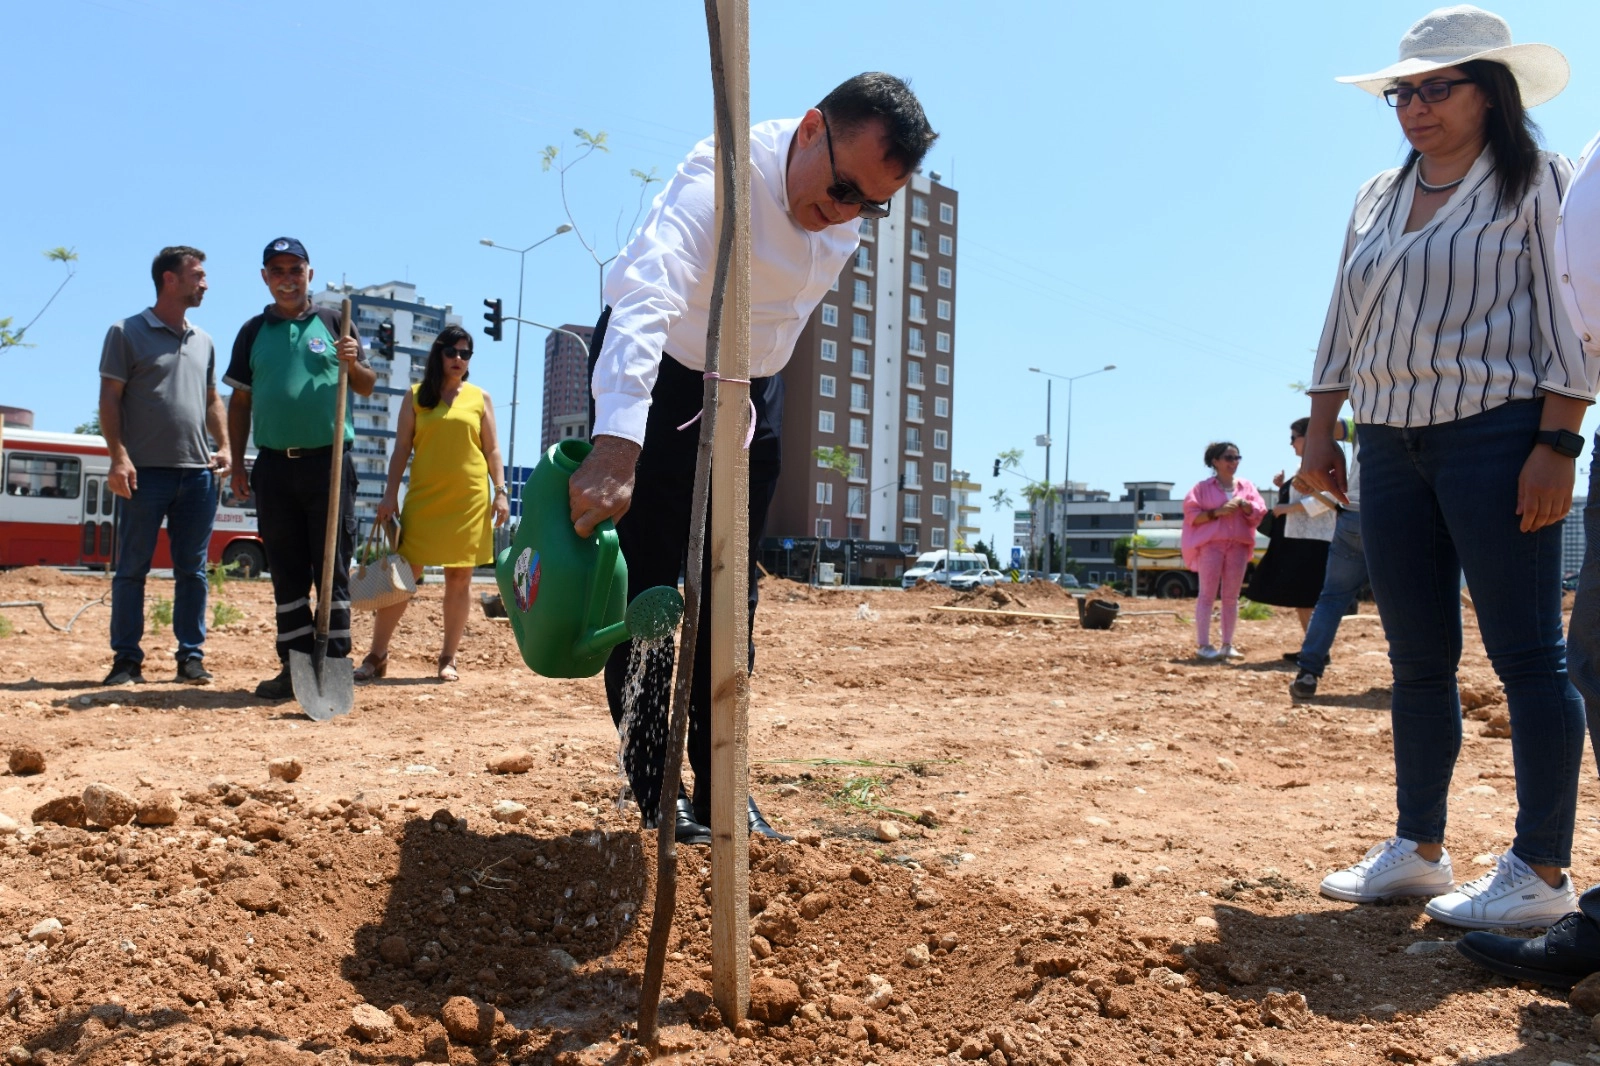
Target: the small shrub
(224, 614)
(1251, 611)
(217, 575)
(5, 627)
(160, 615)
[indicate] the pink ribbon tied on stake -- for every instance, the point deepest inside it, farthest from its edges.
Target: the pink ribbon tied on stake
(750, 434)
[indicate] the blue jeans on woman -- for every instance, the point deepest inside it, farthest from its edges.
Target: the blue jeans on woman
(1341, 584)
(1436, 502)
(186, 498)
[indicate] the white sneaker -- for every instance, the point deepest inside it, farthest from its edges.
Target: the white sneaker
(1390, 870)
(1208, 653)
(1511, 896)
(1230, 652)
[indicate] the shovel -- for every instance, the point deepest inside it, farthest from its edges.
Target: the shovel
(326, 688)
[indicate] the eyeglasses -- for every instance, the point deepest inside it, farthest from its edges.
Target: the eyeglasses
(845, 192)
(1432, 92)
(459, 353)
(1229, 458)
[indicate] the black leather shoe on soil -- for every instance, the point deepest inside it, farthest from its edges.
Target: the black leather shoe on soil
(125, 672)
(277, 688)
(1304, 686)
(1568, 952)
(193, 672)
(758, 824)
(685, 829)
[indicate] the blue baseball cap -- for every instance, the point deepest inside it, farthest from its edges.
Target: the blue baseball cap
(284, 246)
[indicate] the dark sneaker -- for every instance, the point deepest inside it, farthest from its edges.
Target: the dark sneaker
(125, 672)
(193, 672)
(277, 688)
(1304, 686)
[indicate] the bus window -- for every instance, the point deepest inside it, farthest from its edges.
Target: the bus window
(105, 497)
(91, 502)
(54, 476)
(230, 500)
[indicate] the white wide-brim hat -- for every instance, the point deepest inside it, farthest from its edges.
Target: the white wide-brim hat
(1451, 36)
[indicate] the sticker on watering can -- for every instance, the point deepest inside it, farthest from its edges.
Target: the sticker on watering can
(525, 578)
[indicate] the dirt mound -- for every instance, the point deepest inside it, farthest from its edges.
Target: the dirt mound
(783, 590)
(13, 583)
(931, 590)
(987, 602)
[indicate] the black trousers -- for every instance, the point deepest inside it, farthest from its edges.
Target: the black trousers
(292, 515)
(654, 536)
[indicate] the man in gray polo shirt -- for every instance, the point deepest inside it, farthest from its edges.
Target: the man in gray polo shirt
(158, 399)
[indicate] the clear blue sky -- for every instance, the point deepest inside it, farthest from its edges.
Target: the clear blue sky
(1161, 186)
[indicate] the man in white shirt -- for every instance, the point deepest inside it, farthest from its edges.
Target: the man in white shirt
(1570, 950)
(811, 179)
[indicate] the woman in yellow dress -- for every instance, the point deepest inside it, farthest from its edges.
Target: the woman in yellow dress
(447, 432)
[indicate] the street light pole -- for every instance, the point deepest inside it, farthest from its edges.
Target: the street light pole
(516, 358)
(1066, 475)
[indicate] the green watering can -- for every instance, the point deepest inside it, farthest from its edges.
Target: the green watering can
(566, 595)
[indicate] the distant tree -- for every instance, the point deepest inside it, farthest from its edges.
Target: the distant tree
(10, 338)
(984, 550)
(91, 427)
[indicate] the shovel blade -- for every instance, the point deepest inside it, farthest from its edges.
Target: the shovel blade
(324, 690)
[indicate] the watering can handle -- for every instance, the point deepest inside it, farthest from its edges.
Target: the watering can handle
(605, 566)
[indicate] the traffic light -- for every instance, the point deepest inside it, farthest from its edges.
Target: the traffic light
(496, 319)
(997, 468)
(386, 339)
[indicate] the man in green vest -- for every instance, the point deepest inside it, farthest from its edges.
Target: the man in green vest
(284, 373)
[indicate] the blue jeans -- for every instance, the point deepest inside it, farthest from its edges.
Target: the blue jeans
(187, 499)
(1583, 635)
(1347, 572)
(1437, 501)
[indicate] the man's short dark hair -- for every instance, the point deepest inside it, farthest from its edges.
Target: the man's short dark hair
(888, 99)
(172, 259)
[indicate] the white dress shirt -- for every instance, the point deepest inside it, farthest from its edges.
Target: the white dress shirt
(1459, 316)
(659, 289)
(1578, 250)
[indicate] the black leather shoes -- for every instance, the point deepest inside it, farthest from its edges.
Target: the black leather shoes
(758, 822)
(686, 829)
(1568, 952)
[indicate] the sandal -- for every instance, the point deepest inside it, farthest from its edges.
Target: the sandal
(373, 666)
(447, 669)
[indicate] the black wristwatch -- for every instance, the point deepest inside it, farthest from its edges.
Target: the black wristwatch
(1561, 441)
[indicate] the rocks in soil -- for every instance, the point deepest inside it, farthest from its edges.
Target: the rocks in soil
(813, 904)
(888, 831)
(1286, 1010)
(516, 761)
(107, 806)
(1585, 995)
(371, 1024)
(285, 768)
(260, 893)
(63, 810)
(773, 1000)
(860, 875)
(880, 993)
(26, 760)
(1498, 725)
(8, 825)
(916, 956)
(509, 812)
(468, 1022)
(161, 807)
(779, 923)
(564, 961)
(394, 950)
(47, 931)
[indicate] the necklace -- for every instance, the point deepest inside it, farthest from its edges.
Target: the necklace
(1446, 187)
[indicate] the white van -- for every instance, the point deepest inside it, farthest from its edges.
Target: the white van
(939, 565)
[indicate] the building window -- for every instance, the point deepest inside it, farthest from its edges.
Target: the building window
(911, 506)
(941, 407)
(830, 351)
(858, 327)
(863, 294)
(919, 242)
(867, 231)
(941, 374)
(914, 341)
(947, 244)
(919, 209)
(858, 361)
(858, 397)
(946, 278)
(941, 473)
(824, 527)
(830, 315)
(914, 373)
(913, 474)
(824, 492)
(941, 341)
(936, 506)
(908, 538)
(919, 276)
(835, 286)
(914, 407)
(941, 440)
(947, 213)
(936, 537)
(864, 259)
(918, 311)
(914, 439)
(858, 466)
(858, 432)
(856, 500)
(829, 386)
(824, 421)
(943, 309)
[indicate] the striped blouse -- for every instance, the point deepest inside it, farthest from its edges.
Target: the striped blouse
(1459, 316)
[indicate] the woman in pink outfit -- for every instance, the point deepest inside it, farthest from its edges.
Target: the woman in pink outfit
(1220, 516)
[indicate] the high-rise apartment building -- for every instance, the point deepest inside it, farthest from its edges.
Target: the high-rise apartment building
(566, 387)
(416, 324)
(873, 373)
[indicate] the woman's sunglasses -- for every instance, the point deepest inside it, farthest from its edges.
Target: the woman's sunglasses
(464, 354)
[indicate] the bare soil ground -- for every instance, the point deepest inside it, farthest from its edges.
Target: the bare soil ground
(1116, 859)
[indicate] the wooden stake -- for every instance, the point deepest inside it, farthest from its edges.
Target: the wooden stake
(730, 530)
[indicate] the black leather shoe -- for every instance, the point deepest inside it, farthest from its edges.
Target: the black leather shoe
(125, 672)
(1568, 952)
(685, 829)
(277, 688)
(758, 824)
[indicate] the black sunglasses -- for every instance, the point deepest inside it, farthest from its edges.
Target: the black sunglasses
(1229, 458)
(1432, 92)
(845, 192)
(459, 353)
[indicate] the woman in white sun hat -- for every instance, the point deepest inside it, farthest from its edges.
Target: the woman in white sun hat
(1447, 336)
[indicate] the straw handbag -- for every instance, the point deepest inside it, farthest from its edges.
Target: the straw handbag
(383, 578)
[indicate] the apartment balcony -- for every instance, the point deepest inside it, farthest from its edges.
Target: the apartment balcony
(918, 320)
(861, 305)
(920, 286)
(865, 272)
(919, 384)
